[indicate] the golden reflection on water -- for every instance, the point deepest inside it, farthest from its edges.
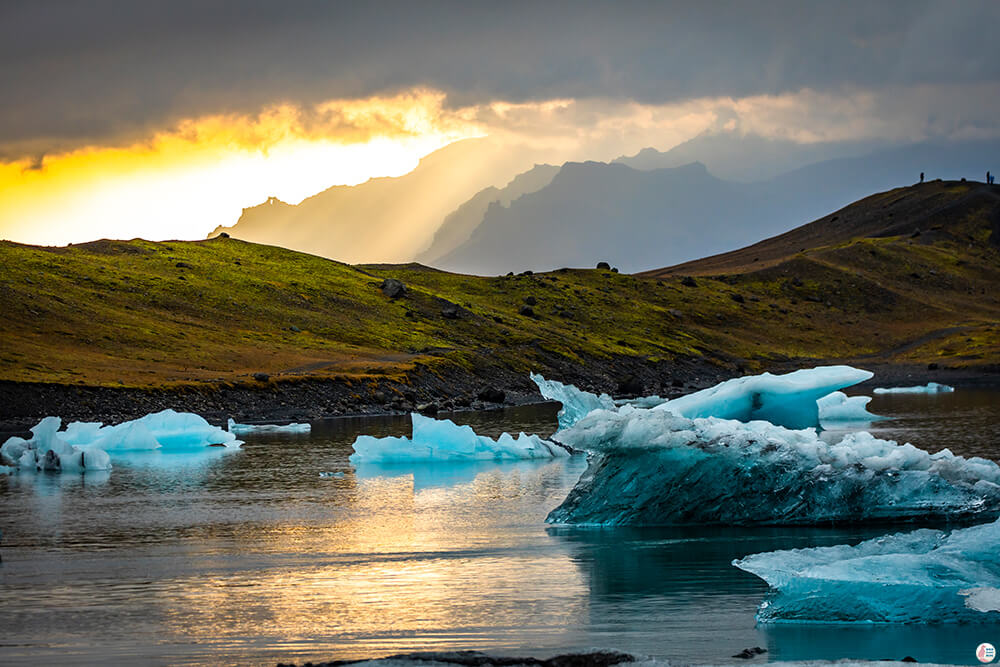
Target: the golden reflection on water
(403, 570)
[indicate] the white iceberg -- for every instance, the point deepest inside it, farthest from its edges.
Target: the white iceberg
(839, 407)
(652, 467)
(46, 450)
(443, 440)
(925, 576)
(786, 400)
(244, 429)
(929, 388)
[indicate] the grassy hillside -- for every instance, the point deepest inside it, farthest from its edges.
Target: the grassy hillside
(146, 314)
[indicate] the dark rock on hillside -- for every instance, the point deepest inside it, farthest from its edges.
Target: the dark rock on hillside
(393, 288)
(603, 265)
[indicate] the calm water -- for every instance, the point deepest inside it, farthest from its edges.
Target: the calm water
(250, 557)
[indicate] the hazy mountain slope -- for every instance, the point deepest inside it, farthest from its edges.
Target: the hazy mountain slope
(642, 219)
(744, 157)
(384, 219)
(459, 225)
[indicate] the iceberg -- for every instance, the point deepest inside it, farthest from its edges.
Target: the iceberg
(652, 467)
(929, 388)
(244, 429)
(576, 403)
(839, 407)
(925, 576)
(166, 429)
(47, 451)
(786, 400)
(443, 440)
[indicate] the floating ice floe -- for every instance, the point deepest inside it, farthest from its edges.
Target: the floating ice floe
(244, 429)
(926, 576)
(46, 450)
(85, 445)
(652, 467)
(167, 429)
(786, 400)
(929, 388)
(443, 440)
(839, 407)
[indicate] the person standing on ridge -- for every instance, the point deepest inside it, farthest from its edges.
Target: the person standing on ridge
(921, 177)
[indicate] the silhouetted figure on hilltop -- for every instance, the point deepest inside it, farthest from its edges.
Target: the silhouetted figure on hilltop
(921, 177)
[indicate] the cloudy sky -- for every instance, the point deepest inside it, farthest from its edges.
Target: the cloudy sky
(164, 119)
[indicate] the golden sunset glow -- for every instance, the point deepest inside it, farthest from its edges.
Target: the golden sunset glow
(184, 182)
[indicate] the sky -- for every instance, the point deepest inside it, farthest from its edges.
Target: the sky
(165, 119)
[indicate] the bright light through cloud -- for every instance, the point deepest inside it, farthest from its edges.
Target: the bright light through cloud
(182, 184)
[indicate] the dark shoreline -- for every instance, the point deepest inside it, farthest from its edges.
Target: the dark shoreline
(284, 400)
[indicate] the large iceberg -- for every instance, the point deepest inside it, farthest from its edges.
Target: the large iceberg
(786, 400)
(929, 388)
(46, 450)
(652, 467)
(839, 407)
(926, 576)
(244, 429)
(443, 440)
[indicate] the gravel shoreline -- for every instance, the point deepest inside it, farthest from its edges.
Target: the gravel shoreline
(280, 400)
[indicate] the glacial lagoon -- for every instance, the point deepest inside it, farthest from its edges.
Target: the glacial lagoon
(249, 556)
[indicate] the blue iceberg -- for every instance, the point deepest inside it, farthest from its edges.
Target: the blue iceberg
(167, 429)
(443, 440)
(926, 576)
(786, 400)
(85, 445)
(652, 467)
(929, 388)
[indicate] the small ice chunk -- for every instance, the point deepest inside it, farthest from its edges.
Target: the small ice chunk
(929, 388)
(652, 467)
(443, 440)
(925, 576)
(244, 429)
(982, 599)
(335, 475)
(839, 407)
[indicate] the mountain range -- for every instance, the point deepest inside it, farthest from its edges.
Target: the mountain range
(636, 212)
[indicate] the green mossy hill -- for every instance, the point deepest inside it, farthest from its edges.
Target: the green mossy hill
(144, 314)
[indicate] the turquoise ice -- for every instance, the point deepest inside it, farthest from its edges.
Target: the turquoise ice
(925, 576)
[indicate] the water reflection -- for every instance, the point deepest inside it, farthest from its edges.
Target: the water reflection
(249, 556)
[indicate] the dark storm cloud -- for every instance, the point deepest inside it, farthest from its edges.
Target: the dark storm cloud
(78, 72)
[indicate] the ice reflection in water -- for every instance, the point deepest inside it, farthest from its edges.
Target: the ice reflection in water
(250, 556)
